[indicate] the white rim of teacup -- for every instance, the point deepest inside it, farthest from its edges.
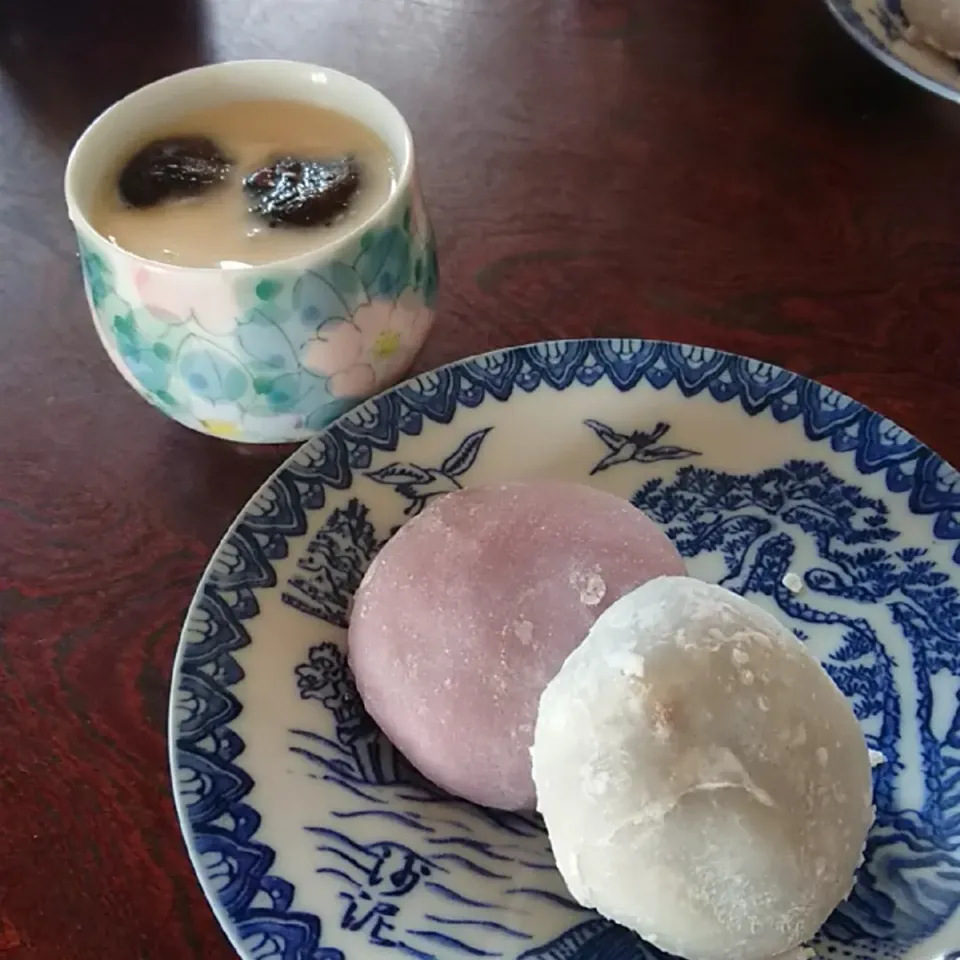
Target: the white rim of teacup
(92, 139)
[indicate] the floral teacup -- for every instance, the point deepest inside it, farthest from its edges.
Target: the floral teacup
(270, 353)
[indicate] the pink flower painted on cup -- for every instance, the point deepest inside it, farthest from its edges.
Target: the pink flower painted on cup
(178, 297)
(372, 349)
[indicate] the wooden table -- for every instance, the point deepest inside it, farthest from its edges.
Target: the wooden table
(733, 173)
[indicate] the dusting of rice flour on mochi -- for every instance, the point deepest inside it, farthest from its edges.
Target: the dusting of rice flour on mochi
(702, 779)
(471, 608)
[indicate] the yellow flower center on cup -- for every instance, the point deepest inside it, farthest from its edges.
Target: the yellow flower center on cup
(222, 428)
(386, 344)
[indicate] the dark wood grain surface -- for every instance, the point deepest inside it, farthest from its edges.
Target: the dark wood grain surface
(731, 173)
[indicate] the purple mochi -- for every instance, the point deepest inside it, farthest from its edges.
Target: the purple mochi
(471, 609)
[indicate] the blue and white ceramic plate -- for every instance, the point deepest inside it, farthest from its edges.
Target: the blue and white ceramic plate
(315, 841)
(880, 27)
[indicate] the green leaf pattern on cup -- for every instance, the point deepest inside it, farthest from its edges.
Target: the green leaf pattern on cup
(301, 346)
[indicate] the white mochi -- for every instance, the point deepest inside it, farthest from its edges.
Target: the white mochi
(703, 780)
(936, 22)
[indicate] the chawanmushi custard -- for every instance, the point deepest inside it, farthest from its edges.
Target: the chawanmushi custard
(244, 183)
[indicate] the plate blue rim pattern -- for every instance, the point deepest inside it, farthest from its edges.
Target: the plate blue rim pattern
(850, 19)
(248, 900)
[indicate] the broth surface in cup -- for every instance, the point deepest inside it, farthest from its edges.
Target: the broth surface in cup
(215, 226)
